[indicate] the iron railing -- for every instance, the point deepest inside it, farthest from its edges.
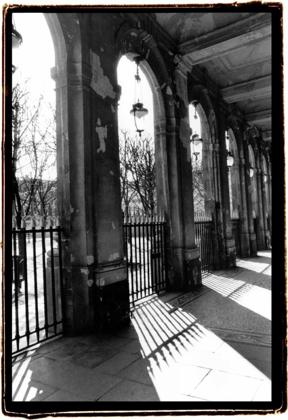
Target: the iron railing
(144, 239)
(204, 237)
(37, 282)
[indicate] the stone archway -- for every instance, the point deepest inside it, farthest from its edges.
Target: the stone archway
(172, 149)
(210, 145)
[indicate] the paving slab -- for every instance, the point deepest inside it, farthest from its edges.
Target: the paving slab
(220, 386)
(92, 358)
(219, 312)
(68, 351)
(116, 363)
(32, 391)
(138, 372)
(61, 395)
(131, 391)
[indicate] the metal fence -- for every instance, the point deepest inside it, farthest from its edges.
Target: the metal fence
(37, 282)
(144, 239)
(204, 240)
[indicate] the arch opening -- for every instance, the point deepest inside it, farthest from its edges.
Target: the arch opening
(201, 160)
(141, 156)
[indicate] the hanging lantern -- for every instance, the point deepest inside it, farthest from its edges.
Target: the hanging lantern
(16, 43)
(138, 110)
(196, 140)
(265, 178)
(230, 159)
(195, 103)
(251, 171)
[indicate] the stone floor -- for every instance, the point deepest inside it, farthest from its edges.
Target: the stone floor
(210, 345)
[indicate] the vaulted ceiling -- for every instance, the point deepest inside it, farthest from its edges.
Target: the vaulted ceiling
(235, 51)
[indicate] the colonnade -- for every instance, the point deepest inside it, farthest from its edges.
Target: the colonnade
(87, 92)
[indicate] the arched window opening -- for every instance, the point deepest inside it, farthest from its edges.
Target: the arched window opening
(233, 174)
(203, 173)
(34, 120)
(136, 138)
(196, 148)
(253, 180)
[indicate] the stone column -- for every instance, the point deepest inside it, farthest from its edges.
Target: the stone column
(261, 230)
(245, 240)
(219, 248)
(264, 211)
(269, 188)
(95, 276)
(248, 188)
(73, 192)
(192, 268)
(230, 251)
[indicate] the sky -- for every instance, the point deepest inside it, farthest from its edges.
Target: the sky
(37, 57)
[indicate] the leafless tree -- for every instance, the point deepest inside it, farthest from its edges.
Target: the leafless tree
(198, 186)
(137, 172)
(33, 152)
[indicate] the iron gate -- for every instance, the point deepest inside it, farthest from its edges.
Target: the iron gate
(204, 240)
(236, 233)
(37, 283)
(144, 238)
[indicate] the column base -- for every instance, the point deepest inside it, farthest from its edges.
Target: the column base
(192, 270)
(111, 296)
(112, 306)
(230, 261)
(253, 245)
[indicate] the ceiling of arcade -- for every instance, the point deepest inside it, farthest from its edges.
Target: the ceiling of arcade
(235, 51)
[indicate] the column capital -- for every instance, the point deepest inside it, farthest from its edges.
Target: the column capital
(215, 147)
(182, 65)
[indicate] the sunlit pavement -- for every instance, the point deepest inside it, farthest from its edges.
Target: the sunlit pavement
(211, 345)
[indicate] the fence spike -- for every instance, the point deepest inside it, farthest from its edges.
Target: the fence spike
(23, 219)
(41, 216)
(49, 218)
(33, 217)
(57, 220)
(13, 216)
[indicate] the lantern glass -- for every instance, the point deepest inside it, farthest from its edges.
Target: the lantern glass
(230, 160)
(251, 171)
(196, 140)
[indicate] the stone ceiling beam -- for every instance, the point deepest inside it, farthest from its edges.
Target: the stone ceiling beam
(226, 40)
(259, 117)
(253, 89)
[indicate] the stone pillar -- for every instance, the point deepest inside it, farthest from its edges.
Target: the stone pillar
(245, 240)
(248, 188)
(264, 211)
(217, 217)
(261, 230)
(269, 190)
(182, 162)
(230, 251)
(94, 273)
